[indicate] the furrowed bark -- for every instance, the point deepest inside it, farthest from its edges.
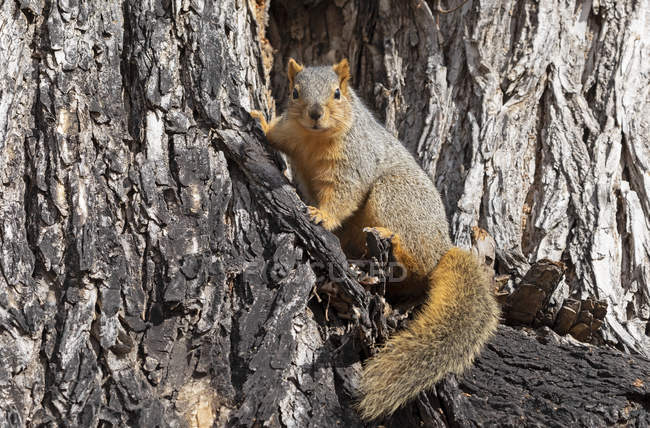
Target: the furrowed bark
(532, 119)
(158, 269)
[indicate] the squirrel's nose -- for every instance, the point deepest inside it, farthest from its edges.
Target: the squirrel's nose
(315, 112)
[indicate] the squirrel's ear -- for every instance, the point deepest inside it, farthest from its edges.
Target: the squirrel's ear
(294, 68)
(342, 69)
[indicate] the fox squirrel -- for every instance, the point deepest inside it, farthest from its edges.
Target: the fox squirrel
(358, 175)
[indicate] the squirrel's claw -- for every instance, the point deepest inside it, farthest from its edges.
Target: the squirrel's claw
(256, 114)
(315, 215)
(322, 218)
(382, 232)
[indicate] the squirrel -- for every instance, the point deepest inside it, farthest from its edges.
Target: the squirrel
(358, 176)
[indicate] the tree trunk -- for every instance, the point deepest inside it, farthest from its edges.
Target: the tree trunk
(531, 116)
(158, 269)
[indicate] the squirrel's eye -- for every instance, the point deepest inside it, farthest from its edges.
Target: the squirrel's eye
(337, 94)
(295, 94)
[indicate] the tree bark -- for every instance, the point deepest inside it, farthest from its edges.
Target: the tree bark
(158, 269)
(531, 117)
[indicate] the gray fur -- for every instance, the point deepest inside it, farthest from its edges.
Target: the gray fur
(364, 177)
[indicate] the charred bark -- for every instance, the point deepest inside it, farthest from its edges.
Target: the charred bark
(158, 269)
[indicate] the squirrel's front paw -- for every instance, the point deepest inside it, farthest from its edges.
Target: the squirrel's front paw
(256, 114)
(321, 218)
(316, 215)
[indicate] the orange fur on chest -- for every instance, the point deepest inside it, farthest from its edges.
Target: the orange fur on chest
(314, 156)
(316, 159)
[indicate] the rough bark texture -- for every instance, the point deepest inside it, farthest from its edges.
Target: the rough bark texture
(542, 390)
(531, 116)
(158, 269)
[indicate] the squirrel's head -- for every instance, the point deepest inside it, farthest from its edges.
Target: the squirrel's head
(319, 97)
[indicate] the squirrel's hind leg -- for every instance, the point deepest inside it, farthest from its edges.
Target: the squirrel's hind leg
(406, 283)
(400, 253)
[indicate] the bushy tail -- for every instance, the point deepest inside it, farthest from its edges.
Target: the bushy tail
(459, 316)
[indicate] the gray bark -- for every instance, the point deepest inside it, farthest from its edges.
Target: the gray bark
(158, 269)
